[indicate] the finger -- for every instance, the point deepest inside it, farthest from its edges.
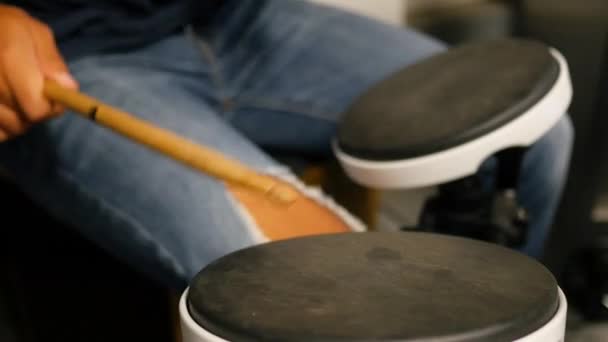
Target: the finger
(3, 136)
(6, 95)
(51, 62)
(11, 122)
(23, 75)
(57, 109)
(8, 102)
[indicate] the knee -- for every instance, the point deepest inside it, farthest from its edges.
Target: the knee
(550, 155)
(560, 139)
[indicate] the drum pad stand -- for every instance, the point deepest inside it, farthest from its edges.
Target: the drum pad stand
(479, 208)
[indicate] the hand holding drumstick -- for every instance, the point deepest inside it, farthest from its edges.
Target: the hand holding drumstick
(31, 65)
(31, 59)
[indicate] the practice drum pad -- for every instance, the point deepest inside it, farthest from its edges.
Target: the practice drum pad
(437, 120)
(373, 287)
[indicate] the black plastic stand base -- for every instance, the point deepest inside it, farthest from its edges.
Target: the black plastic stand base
(475, 208)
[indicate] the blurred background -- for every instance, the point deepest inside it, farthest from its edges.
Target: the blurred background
(577, 252)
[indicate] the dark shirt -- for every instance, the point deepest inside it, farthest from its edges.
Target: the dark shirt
(96, 26)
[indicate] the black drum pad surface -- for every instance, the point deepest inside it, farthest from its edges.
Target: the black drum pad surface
(447, 100)
(373, 287)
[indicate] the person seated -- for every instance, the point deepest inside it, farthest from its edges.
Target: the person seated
(248, 78)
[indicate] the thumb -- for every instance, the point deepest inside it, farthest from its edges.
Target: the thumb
(50, 60)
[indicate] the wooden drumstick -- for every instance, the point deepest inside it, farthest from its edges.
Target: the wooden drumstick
(170, 144)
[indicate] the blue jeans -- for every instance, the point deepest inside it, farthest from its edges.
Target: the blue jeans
(263, 77)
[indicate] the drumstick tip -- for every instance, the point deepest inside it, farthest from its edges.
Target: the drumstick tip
(282, 194)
